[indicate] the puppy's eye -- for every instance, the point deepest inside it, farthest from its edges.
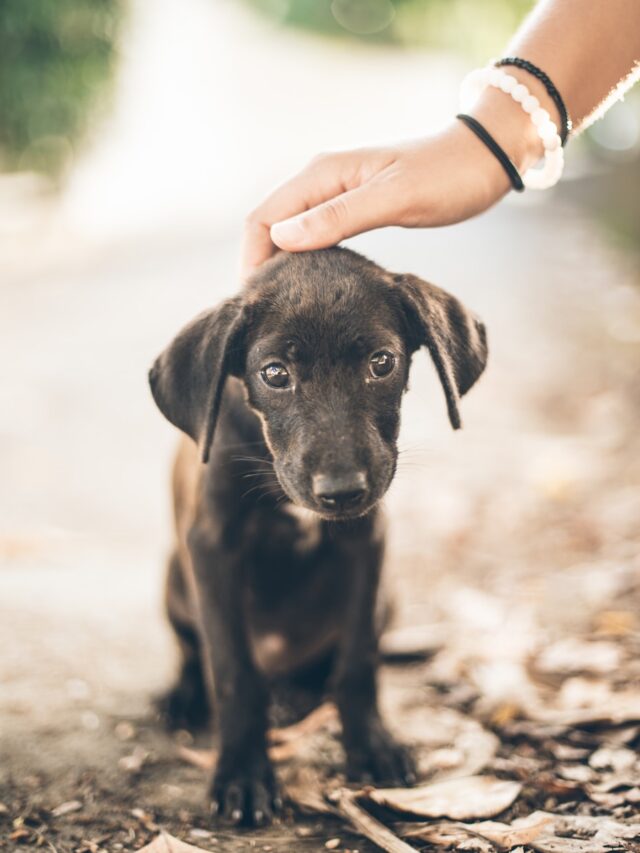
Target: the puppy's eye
(276, 375)
(381, 364)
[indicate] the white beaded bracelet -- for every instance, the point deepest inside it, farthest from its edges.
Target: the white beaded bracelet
(477, 81)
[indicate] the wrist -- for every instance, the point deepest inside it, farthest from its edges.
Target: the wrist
(510, 126)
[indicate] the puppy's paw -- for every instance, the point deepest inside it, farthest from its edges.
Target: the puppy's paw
(245, 793)
(379, 758)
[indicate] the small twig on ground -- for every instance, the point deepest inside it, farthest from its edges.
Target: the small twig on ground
(368, 826)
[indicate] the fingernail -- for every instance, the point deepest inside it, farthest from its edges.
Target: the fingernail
(291, 232)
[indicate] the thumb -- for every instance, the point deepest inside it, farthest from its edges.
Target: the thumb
(344, 216)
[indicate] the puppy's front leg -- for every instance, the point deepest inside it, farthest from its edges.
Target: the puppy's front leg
(373, 755)
(243, 788)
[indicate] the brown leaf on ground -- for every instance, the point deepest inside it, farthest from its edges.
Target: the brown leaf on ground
(134, 763)
(474, 747)
(522, 831)
(542, 831)
(415, 642)
(583, 701)
(165, 843)
(305, 792)
(66, 808)
(320, 718)
(584, 834)
(284, 742)
(618, 760)
(459, 799)
(572, 655)
(615, 623)
(452, 745)
(612, 800)
(145, 819)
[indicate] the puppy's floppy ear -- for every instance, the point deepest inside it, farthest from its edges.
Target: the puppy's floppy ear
(455, 338)
(187, 379)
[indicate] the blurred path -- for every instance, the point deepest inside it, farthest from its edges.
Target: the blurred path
(215, 105)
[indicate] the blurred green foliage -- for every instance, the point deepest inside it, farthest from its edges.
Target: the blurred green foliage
(479, 28)
(56, 57)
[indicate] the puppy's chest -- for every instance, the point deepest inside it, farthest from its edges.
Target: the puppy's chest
(291, 552)
(295, 593)
(286, 532)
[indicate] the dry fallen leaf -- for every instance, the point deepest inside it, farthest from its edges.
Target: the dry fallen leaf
(576, 773)
(473, 749)
(411, 643)
(522, 831)
(542, 831)
(504, 685)
(616, 623)
(459, 799)
(572, 655)
(452, 745)
(133, 763)
(322, 717)
(67, 808)
(165, 843)
(582, 701)
(584, 834)
(476, 844)
(607, 758)
(145, 819)
(305, 792)
(612, 800)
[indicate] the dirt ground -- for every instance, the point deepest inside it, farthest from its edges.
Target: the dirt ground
(514, 543)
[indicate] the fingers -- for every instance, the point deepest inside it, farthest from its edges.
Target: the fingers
(257, 247)
(350, 213)
(326, 177)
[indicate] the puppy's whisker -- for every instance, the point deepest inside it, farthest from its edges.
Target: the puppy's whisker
(258, 473)
(416, 450)
(253, 489)
(258, 460)
(264, 489)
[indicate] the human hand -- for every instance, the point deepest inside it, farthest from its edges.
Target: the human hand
(434, 181)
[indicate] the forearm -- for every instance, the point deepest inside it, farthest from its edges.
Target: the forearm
(589, 48)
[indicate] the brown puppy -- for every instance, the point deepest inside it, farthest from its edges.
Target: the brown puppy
(290, 392)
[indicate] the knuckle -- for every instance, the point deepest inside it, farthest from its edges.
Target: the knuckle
(253, 220)
(321, 161)
(335, 212)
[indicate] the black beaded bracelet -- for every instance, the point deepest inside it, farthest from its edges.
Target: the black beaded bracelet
(499, 153)
(553, 93)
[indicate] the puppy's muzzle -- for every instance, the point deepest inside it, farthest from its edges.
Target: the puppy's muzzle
(340, 492)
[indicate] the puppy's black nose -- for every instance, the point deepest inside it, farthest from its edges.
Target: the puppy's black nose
(344, 491)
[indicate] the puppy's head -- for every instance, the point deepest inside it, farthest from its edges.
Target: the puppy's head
(323, 342)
